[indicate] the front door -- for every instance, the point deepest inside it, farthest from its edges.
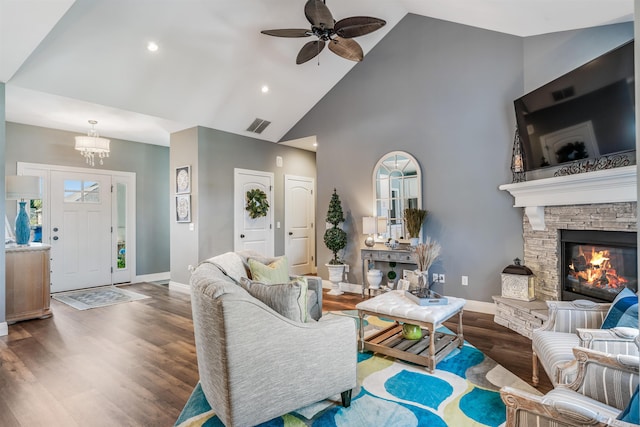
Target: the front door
(80, 230)
(299, 218)
(253, 233)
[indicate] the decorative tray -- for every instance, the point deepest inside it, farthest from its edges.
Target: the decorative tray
(430, 298)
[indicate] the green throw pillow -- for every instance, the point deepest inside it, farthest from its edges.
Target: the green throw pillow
(287, 299)
(276, 272)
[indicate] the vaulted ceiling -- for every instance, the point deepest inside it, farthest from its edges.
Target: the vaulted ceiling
(65, 62)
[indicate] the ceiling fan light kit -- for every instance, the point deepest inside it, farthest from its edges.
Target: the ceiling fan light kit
(338, 34)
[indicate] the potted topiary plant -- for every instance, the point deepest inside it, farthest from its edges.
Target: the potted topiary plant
(413, 218)
(335, 240)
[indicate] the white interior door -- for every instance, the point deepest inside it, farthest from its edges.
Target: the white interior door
(253, 233)
(299, 220)
(80, 230)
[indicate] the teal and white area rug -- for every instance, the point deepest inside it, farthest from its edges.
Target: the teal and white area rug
(463, 391)
(97, 297)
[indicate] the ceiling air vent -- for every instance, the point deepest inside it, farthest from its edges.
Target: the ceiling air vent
(258, 125)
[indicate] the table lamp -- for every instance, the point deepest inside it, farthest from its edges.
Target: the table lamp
(22, 188)
(369, 227)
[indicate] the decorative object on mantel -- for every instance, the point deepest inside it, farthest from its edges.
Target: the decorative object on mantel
(335, 239)
(369, 228)
(257, 203)
(518, 282)
(589, 165)
(414, 218)
(92, 145)
(517, 160)
(22, 188)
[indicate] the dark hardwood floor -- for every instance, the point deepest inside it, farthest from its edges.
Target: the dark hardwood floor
(134, 364)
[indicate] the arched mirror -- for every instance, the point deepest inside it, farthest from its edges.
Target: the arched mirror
(397, 185)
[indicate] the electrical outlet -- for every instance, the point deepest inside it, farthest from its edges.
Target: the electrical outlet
(346, 268)
(435, 277)
(465, 280)
(441, 278)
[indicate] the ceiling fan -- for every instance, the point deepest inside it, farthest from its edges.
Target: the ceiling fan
(339, 34)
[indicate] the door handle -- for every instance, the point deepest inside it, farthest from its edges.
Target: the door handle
(291, 233)
(242, 236)
(55, 237)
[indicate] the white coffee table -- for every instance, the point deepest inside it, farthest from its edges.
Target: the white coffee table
(429, 350)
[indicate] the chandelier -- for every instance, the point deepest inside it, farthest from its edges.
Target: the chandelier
(92, 146)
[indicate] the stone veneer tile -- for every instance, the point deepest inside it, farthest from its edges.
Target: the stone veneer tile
(542, 248)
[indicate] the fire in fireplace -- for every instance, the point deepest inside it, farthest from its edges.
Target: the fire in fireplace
(596, 265)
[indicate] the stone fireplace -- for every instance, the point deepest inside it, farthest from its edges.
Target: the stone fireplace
(542, 248)
(602, 201)
(596, 264)
(594, 201)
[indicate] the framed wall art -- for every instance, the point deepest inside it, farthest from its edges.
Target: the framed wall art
(183, 208)
(183, 180)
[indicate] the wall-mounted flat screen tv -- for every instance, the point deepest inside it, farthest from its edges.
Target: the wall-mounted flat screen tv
(587, 113)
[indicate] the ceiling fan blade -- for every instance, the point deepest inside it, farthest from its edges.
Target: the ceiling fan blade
(287, 32)
(318, 14)
(346, 48)
(357, 26)
(309, 51)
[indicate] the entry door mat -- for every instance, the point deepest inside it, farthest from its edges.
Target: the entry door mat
(462, 391)
(98, 297)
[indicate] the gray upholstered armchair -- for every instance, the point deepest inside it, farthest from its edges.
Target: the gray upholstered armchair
(575, 324)
(602, 389)
(255, 364)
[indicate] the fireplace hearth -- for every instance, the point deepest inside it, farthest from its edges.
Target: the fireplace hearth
(596, 265)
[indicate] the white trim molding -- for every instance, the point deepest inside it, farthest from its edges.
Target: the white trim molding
(606, 186)
(4, 329)
(154, 277)
(180, 287)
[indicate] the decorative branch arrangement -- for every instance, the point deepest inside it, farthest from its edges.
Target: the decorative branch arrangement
(426, 253)
(414, 218)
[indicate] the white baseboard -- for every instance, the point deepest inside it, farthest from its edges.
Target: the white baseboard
(471, 305)
(180, 287)
(155, 277)
(480, 307)
(344, 287)
(4, 329)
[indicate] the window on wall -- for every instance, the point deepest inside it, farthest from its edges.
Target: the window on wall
(80, 191)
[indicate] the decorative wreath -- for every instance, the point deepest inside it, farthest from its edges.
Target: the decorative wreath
(257, 204)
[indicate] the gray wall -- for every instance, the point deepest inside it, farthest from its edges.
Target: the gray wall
(150, 163)
(184, 242)
(443, 92)
(3, 140)
(549, 56)
(218, 153)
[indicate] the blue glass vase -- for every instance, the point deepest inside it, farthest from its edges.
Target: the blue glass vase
(23, 231)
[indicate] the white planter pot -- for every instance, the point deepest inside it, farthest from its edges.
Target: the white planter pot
(374, 277)
(336, 273)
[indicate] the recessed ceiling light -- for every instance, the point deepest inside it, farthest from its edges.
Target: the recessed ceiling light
(152, 47)
(315, 144)
(265, 89)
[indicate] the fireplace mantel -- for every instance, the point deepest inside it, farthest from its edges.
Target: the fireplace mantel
(605, 186)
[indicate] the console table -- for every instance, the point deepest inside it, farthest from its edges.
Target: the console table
(27, 282)
(384, 255)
